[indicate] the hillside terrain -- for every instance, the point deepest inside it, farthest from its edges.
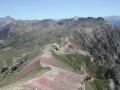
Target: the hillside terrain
(68, 54)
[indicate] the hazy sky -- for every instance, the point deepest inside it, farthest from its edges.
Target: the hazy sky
(40, 9)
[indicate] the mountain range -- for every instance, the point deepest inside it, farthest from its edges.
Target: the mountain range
(68, 54)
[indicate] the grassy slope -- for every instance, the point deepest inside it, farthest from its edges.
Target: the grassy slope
(75, 61)
(10, 76)
(97, 84)
(36, 69)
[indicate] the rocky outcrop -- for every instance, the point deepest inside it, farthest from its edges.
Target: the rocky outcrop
(102, 42)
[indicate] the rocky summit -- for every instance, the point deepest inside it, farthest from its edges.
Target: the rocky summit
(67, 54)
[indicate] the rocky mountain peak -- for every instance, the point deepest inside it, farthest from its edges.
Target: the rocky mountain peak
(5, 21)
(8, 18)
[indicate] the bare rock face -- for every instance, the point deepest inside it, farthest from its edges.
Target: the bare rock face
(102, 42)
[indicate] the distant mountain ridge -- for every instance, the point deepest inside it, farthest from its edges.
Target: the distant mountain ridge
(6, 20)
(115, 20)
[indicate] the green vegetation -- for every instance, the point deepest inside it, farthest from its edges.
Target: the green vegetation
(70, 46)
(7, 56)
(97, 71)
(36, 69)
(96, 56)
(97, 84)
(117, 87)
(73, 60)
(9, 76)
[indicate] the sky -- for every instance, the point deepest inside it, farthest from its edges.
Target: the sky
(57, 9)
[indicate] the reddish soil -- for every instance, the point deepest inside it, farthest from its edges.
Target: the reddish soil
(74, 43)
(47, 60)
(27, 68)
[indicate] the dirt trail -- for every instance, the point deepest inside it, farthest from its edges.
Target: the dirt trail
(57, 78)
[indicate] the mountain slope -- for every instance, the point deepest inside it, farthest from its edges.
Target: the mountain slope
(83, 50)
(99, 46)
(27, 35)
(5, 21)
